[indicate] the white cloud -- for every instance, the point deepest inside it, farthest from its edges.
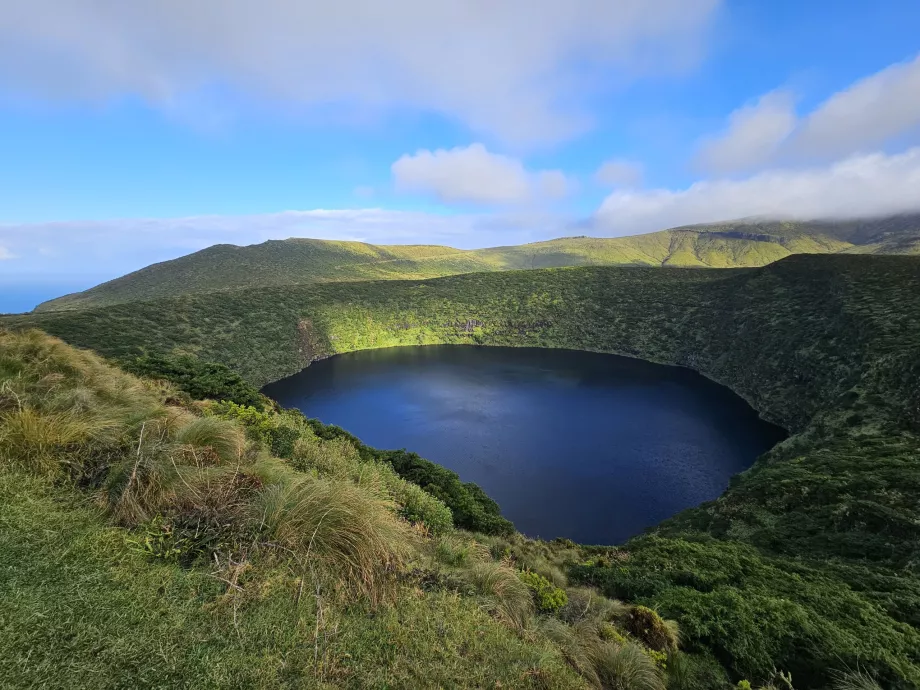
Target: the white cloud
(6, 254)
(473, 174)
(553, 184)
(870, 113)
(754, 132)
(860, 186)
(619, 173)
(867, 114)
(509, 69)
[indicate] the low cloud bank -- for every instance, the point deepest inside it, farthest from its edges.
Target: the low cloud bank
(857, 187)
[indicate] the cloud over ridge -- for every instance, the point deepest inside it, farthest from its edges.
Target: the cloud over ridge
(860, 186)
(858, 119)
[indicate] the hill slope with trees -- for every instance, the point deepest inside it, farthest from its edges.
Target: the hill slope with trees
(300, 261)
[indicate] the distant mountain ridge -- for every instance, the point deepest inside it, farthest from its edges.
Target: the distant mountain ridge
(732, 244)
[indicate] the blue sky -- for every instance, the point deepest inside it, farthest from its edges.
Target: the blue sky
(136, 132)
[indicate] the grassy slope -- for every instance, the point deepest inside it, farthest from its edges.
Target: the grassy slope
(249, 596)
(809, 559)
(723, 245)
(84, 610)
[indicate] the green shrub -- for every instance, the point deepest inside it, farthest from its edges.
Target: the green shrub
(547, 596)
(646, 625)
(201, 380)
(336, 458)
(419, 506)
(609, 633)
(259, 425)
(695, 672)
(283, 439)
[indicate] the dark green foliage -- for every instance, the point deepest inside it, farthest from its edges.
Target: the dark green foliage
(259, 425)
(756, 612)
(696, 672)
(471, 507)
(201, 380)
(547, 596)
(268, 429)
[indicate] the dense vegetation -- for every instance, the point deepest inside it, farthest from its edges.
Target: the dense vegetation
(147, 541)
(200, 380)
(294, 261)
(806, 565)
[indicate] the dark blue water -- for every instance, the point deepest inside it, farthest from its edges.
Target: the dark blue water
(17, 297)
(591, 447)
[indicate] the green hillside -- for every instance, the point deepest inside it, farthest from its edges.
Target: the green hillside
(807, 564)
(295, 261)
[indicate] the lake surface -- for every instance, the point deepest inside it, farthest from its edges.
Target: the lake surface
(591, 447)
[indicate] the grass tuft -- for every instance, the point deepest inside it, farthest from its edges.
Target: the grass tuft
(855, 680)
(44, 443)
(336, 523)
(503, 592)
(626, 667)
(223, 437)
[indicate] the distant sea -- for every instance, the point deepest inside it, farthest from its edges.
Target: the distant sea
(17, 298)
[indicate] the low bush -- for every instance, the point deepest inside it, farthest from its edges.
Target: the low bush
(647, 626)
(415, 504)
(336, 458)
(547, 596)
(259, 424)
(695, 672)
(201, 380)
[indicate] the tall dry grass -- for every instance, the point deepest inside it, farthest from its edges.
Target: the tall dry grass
(338, 526)
(65, 411)
(855, 680)
(503, 592)
(625, 667)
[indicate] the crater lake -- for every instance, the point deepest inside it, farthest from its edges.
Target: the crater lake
(592, 447)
